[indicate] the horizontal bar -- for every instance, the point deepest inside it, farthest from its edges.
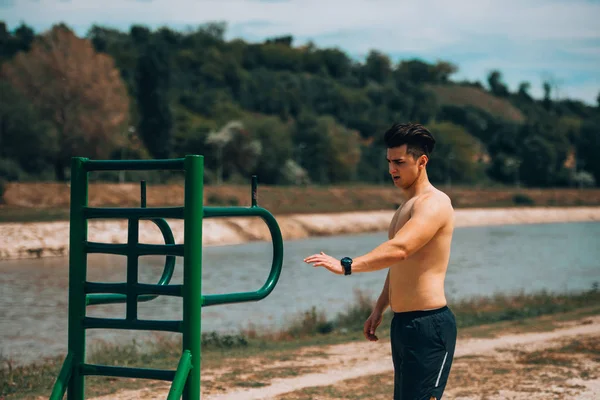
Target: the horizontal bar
(124, 249)
(125, 372)
(140, 325)
(140, 288)
(134, 165)
(123, 212)
(216, 212)
(107, 248)
(160, 249)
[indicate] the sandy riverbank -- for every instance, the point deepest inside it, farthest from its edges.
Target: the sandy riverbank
(47, 239)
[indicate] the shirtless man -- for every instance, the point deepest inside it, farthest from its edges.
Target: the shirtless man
(423, 330)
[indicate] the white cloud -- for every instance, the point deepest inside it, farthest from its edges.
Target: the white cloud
(431, 21)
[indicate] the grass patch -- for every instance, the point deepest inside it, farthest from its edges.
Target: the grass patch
(490, 315)
(22, 214)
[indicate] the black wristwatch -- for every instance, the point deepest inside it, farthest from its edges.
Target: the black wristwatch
(347, 265)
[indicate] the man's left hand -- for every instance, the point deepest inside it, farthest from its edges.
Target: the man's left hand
(323, 260)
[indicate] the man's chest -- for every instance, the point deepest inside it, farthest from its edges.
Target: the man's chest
(400, 218)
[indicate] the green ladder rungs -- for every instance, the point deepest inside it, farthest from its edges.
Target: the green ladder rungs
(186, 378)
(177, 377)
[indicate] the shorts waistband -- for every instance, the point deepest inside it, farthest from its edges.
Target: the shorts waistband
(419, 313)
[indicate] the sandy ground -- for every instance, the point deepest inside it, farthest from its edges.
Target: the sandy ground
(543, 365)
(47, 239)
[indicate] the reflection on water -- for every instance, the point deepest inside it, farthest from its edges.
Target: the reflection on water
(484, 260)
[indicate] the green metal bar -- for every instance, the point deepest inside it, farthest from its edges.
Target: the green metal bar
(143, 194)
(139, 213)
(62, 381)
(145, 292)
(140, 249)
(276, 265)
(132, 268)
(183, 370)
(127, 372)
(77, 276)
(140, 288)
(192, 270)
(134, 165)
(219, 212)
(137, 325)
(169, 248)
(254, 191)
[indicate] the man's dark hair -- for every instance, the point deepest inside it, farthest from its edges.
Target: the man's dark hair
(416, 137)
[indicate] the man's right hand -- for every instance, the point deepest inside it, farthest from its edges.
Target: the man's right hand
(371, 325)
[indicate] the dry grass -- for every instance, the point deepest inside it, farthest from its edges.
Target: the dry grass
(475, 97)
(555, 372)
(50, 201)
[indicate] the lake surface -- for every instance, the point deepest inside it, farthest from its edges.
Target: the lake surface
(484, 261)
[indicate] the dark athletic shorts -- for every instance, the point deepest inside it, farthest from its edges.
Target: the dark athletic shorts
(422, 351)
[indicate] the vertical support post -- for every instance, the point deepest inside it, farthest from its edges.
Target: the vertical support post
(143, 194)
(77, 275)
(254, 191)
(133, 233)
(192, 269)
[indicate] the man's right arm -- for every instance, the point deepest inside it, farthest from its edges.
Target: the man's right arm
(384, 298)
(376, 316)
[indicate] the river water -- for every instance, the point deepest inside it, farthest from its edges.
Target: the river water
(484, 261)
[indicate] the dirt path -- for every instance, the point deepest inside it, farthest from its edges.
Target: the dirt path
(356, 361)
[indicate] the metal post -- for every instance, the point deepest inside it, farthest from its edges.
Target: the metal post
(192, 269)
(77, 275)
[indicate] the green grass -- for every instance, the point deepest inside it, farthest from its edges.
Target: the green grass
(310, 329)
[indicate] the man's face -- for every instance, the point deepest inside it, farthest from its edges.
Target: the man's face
(403, 167)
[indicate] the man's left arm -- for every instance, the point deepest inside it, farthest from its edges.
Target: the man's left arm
(428, 216)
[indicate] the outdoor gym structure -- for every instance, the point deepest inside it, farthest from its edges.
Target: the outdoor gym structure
(186, 377)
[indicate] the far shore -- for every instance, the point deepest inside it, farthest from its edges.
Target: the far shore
(51, 239)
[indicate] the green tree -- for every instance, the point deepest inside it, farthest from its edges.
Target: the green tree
(275, 140)
(23, 134)
(497, 87)
(378, 67)
(523, 91)
(455, 156)
(235, 151)
(547, 95)
(77, 90)
(442, 71)
(538, 166)
(589, 147)
(153, 83)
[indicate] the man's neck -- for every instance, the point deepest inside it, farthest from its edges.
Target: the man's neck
(420, 186)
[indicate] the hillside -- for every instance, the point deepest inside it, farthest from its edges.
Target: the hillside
(290, 114)
(466, 96)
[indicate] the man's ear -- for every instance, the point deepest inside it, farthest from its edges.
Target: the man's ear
(423, 161)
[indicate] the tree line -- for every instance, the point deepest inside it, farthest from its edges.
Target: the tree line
(291, 114)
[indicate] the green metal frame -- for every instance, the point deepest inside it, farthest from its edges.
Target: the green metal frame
(186, 378)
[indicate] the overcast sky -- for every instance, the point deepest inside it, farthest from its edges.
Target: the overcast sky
(527, 40)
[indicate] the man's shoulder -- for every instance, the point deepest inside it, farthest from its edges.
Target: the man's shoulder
(435, 204)
(434, 197)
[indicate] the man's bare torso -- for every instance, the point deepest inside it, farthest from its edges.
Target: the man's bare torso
(417, 283)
